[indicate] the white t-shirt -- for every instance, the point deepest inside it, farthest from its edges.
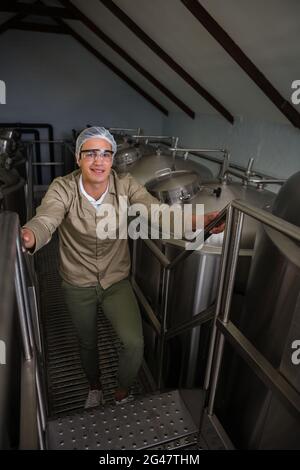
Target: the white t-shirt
(94, 202)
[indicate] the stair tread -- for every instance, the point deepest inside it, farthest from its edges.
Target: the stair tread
(143, 423)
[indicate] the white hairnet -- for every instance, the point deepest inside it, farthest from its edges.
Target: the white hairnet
(94, 133)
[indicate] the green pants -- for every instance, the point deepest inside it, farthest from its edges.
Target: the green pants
(120, 307)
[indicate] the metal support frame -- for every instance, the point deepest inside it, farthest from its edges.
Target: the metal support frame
(224, 330)
(164, 334)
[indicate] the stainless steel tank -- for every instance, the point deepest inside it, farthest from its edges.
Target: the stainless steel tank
(12, 163)
(146, 161)
(193, 283)
(251, 414)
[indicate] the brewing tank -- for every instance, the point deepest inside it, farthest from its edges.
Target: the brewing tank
(251, 414)
(145, 161)
(193, 283)
(12, 171)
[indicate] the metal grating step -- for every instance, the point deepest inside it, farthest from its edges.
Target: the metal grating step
(153, 421)
(64, 373)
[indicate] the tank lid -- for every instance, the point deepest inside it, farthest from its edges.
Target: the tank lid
(286, 204)
(174, 186)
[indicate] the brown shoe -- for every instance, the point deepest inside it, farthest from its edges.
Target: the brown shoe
(123, 396)
(121, 393)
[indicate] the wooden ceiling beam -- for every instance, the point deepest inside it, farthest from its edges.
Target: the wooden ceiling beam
(41, 28)
(220, 35)
(9, 23)
(35, 9)
(119, 50)
(135, 29)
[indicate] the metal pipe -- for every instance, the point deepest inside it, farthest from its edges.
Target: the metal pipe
(124, 129)
(266, 181)
(242, 176)
(158, 137)
(48, 164)
(190, 150)
(37, 145)
(49, 127)
(43, 141)
(249, 166)
(233, 166)
(253, 179)
(224, 167)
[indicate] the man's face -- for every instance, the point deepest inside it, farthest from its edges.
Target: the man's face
(95, 170)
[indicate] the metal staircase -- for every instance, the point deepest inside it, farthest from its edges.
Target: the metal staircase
(54, 388)
(150, 421)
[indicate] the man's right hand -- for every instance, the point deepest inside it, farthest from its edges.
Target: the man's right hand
(28, 238)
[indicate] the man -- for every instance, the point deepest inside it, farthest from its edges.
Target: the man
(94, 270)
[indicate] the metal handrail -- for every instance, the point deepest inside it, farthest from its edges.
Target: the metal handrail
(197, 320)
(224, 330)
(161, 327)
(16, 267)
(7, 227)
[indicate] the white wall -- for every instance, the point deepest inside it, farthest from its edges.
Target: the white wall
(275, 146)
(51, 78)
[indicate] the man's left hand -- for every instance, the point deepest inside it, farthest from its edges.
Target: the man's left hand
(209, 218)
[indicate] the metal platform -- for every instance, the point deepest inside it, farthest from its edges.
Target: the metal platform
(142, 424)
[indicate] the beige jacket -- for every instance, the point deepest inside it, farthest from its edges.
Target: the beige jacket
(86, 260)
